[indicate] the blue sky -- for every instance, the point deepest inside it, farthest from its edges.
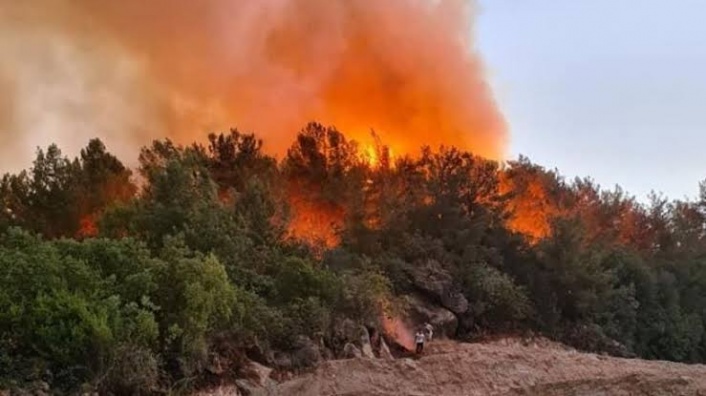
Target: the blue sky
(612, 89)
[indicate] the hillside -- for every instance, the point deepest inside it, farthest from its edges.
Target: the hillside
(223, 253)
(505, 367)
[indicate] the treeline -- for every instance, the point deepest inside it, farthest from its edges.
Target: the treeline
(171, 277)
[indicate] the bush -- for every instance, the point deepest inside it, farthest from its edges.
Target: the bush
(195, 300)
(496, 301)
(133, 370)
(65, 311)
(362, 294)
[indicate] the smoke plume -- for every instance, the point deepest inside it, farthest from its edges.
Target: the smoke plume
(129, 71)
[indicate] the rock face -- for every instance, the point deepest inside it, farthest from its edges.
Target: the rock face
(350, 351)
(306, 353)
(431, 279)
(283, 361)
(364, 339)
(385, 351)
(345, 331)
(356, 338)
(259, 381)
(444, 321)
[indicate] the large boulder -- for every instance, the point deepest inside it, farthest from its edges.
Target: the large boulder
(431, 279)
(258, 381)
(364, 341)
(306, 352)
(283, 361)
(455, 302)
(420, 310)
(347, 333)
(344, 331)
(351, 351)
(385, 352)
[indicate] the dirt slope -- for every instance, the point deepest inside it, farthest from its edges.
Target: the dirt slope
(507, 367)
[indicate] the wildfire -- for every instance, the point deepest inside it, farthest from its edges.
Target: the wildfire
(315, 222)
(370, 155)
(395, 327)
(532, 206)
(405, 68)
(88, 227)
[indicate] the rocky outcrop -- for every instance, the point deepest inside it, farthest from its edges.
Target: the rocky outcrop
(351, 351)
(357, 340)
(420, 310)
(384, 351)
(432, 280)
(258, 381)
(344, 331)
(306, 352)
(283, 361)
(365, 346)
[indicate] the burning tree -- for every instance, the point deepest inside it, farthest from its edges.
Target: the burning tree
(219, 251)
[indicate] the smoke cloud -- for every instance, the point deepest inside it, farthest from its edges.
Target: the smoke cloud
(129, 71)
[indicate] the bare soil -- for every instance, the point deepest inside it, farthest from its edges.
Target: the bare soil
(504, 367)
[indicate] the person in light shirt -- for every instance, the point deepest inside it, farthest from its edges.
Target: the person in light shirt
(419, 340)
(429, 331)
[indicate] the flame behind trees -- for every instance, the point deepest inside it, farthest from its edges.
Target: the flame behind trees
(503, 248)
(325, 183)
(59, 197)
(137, 70)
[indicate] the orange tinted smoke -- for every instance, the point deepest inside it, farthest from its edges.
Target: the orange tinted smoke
(404, 68)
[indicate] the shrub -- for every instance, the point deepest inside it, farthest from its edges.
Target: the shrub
(495, 300)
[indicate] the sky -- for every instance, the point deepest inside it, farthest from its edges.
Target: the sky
(612, 89)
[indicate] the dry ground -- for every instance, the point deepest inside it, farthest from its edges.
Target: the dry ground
(506, 367)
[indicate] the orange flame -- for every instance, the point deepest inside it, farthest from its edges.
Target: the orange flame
(532, 205)
(315, 222)
(88, 227)
(370, 155)
(395, 327)
(405, 68)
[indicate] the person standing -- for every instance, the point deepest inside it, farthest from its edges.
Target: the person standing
(419, 340)
(429, 329)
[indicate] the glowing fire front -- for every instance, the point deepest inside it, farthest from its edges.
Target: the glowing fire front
(404, 68)
(394, 327)
(315, 222)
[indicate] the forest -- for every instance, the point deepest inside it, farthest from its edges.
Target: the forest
(166, 277)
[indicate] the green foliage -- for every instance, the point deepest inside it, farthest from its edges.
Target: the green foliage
(63, 310)
(496, 301)
(363, 292)
(575, 272)
(201, 256)
(195, 299)
(75, 308)
(62, 197)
